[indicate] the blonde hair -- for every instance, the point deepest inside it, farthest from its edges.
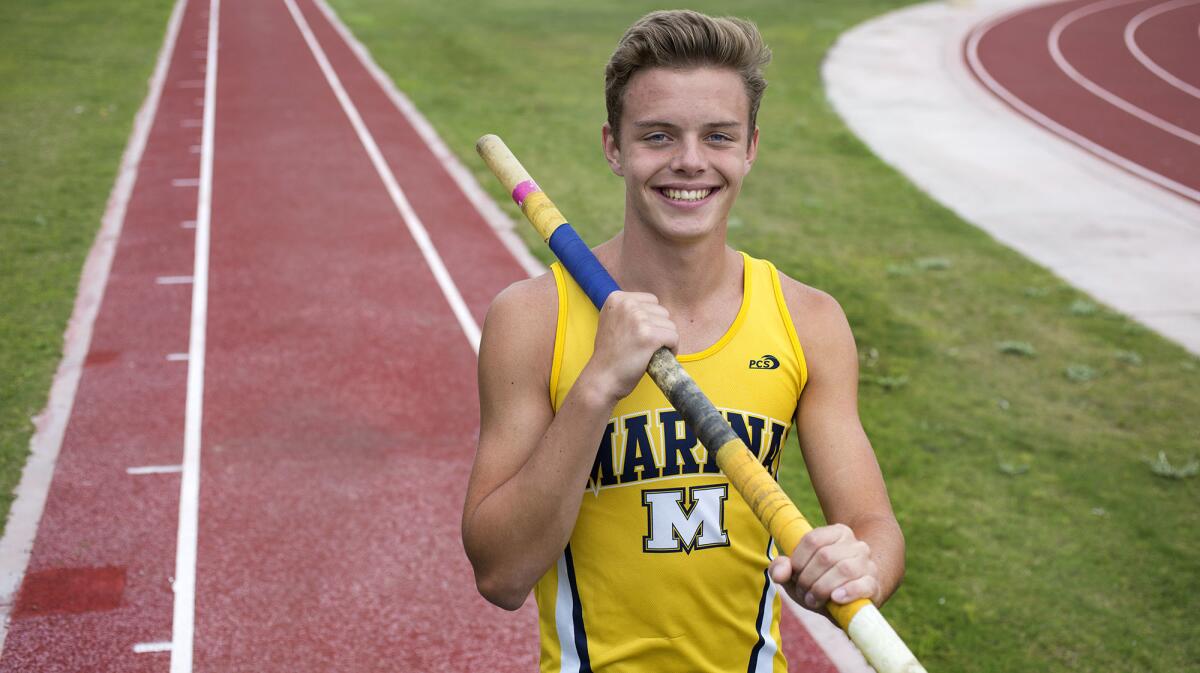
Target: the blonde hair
(683, 38)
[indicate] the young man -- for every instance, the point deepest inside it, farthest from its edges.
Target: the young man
(639, 554)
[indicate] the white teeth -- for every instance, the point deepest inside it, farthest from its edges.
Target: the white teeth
(686, 194)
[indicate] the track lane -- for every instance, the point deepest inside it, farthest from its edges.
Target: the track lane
(1094, 45)
(480, 265)
(1156, 36)
(340, 399)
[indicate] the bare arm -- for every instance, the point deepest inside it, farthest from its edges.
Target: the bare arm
(532, 465)
(861, 553)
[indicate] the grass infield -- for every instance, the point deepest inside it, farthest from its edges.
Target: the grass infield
(1018, 423)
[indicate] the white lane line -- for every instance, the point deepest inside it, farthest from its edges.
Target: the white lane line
(1053, 126)
(185, 182)
(143, 648)
(1149, 63)
(183, 623)
(177, 357)
(188, 224)
(415, 227)
(155, 469)
(499, 222)
(30, 495)
(1053, 43)
(173, 280)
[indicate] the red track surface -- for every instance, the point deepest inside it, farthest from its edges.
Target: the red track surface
(1141, 111)
(340, 409)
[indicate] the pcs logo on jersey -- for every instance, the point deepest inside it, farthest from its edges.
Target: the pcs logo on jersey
(765, 362)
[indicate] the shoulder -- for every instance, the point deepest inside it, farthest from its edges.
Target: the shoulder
(814, 312)
(533, 298)
(521, 322)
(820, 322)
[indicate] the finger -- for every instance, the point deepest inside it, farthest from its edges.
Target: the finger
(825, 559)
(847, 570)
(814, 540)
(863, 587)
(781, 569)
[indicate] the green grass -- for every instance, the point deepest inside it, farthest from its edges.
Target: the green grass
(1016, 421)
(72, 75)
(1040, 536)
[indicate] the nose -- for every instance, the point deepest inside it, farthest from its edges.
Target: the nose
(689, 157)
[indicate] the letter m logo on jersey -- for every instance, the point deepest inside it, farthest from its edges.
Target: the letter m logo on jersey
(685, 519)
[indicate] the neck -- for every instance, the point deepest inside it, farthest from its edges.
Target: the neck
(685, 276)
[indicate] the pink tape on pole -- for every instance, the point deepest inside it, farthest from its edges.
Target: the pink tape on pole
(523, 190)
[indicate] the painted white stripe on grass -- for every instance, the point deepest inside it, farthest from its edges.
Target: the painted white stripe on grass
(145, 648)
(1054, 127)
(415, 227)
(1053, 43)
(154, 469)
(1149, 63)
(30, 494)
(183, 624)
(500, 223)
(173, 280)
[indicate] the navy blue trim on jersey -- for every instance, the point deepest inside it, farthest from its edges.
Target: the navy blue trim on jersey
(762, 610)
(581, 646)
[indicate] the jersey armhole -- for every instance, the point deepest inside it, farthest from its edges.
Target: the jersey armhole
(560, 333)
(786, 316)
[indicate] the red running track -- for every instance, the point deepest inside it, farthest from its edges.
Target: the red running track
(340, 413)
(1120, 78)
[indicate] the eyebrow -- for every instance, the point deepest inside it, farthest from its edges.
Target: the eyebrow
(652, 123)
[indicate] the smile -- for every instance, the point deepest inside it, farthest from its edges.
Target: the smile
(686, 194)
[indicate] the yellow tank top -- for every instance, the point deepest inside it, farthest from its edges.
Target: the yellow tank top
(666, 567)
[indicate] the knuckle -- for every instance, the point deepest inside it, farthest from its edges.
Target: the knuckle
(851, 567)
(825, 556)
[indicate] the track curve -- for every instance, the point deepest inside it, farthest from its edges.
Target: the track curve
(1119, 78)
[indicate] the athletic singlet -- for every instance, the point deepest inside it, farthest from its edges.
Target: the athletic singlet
(666, 567)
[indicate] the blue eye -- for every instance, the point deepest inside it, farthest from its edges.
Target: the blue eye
(657, 137)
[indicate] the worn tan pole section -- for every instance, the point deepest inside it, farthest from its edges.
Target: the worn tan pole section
(865, 625)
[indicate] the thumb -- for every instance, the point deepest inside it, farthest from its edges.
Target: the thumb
(781, 569)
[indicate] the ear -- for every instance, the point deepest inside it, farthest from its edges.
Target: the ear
(612, 152)
(751, 151)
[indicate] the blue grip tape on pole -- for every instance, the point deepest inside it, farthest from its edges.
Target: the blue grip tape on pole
(583, 265)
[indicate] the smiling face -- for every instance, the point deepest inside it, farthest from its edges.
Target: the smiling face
(685, 147)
